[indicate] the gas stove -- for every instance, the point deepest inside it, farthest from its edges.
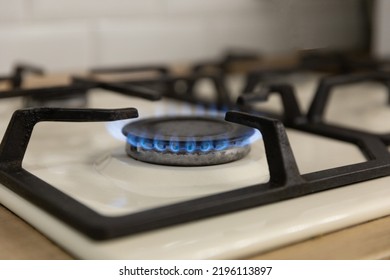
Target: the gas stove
(245, 177)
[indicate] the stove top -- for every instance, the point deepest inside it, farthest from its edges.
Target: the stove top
(306, 173)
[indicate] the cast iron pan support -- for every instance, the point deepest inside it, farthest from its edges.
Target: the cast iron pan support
(372, 145)
(324, 89)
(285, 181)
(218, 82)
(284, 172)
(80, 86)
(18, 133)
(119, 87)
(292, 112)
(281, 162)
(13, 148)
(20, 70)
(16, 79)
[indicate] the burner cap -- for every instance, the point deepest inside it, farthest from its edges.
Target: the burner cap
(187, 141)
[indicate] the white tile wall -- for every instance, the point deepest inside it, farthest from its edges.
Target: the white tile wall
(213, 7)
(77, 34)
(54, 9)
(251, 32)
(58, 45)
(11, 10)
(149, 40)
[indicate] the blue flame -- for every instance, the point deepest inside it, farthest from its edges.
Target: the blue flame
(115, 129)
(206, 146)
(221, 145)
(256, 136)
(146, 144)
(174, 145)
(132, 140)
(159, 145)
(190, 145)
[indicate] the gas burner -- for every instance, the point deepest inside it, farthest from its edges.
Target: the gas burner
(187, 141)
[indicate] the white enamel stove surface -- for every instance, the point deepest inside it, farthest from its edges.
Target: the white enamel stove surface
(87, 163)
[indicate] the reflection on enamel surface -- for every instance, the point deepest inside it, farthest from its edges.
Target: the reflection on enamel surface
(117, 184)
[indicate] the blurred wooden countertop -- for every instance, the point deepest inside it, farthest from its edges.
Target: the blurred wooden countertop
(370, 240)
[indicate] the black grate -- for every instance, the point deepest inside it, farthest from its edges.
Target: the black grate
(15, 79)
(286, 182)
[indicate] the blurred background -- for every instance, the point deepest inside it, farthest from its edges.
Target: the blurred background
(73, 34)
